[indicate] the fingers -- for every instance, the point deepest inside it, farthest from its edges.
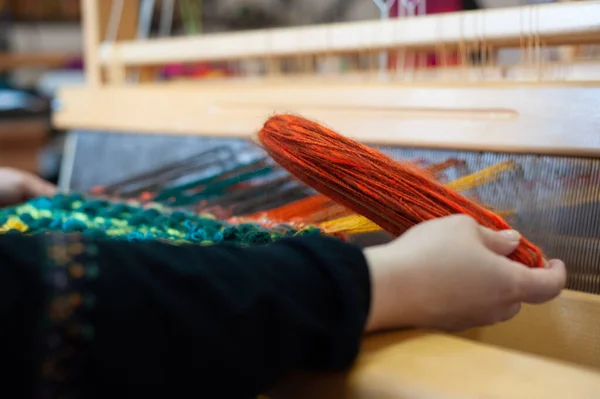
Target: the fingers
(540, 285)
(509, 313)
(501, 242)
(532, 285)
(34, 186)
(500, 315)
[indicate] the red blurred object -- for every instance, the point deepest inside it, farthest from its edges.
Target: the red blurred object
(431, 59)
(198, 70)
(432, 6)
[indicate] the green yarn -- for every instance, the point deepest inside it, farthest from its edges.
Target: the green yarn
(211, 185)
(74, 213)
(218, 188)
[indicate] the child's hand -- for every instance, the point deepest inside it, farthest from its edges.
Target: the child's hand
(453, 274)
(17, 186)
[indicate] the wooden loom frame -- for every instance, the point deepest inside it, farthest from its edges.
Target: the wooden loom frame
(497, 117)
(505, 117)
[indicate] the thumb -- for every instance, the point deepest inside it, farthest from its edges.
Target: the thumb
(501, 242)
(539, 285)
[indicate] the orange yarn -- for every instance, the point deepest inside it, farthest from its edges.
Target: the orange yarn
(318, 208)
(394, 195)
(300, 208)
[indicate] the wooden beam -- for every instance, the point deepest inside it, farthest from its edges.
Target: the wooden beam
(420, 365)
(562, 329)
(10, 61)
(553, 24)
(549, 120)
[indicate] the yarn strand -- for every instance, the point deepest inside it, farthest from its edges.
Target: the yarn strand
(394, 195)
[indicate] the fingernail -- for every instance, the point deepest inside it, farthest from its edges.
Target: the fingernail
(512, 235)
(553, 263)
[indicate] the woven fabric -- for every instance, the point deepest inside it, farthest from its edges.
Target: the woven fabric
(105, 219)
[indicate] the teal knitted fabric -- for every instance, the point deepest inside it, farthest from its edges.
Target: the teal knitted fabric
(106, 219)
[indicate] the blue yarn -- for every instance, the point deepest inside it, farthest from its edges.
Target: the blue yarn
(27, 218)
(135, 236)
(178, 216)
(199, 235)
(95, 233)
(139, 219)
(56, 223)
(93, 207)
(257, 237)
(218, 237)
(188, 226)
(44, 222)
(73, 225)
(42, 203)
(108, 213)
(151, 213)
(162, 220)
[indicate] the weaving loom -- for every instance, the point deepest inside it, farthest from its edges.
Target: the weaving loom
(525, 138)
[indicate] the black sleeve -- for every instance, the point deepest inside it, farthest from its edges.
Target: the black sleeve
(151, 319)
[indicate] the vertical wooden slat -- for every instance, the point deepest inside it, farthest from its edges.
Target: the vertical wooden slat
(96, 17)
(127, 30)
(92, 20)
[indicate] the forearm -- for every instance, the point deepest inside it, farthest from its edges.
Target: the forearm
(165, 316)
(248, 314)
(390, 280)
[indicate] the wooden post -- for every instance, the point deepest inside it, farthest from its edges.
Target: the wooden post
(92, 20)
(96, 17)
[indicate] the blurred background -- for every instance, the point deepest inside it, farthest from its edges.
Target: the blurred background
(41, 46)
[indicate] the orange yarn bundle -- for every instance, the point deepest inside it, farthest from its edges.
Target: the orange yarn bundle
(318, 208)
(394, 195)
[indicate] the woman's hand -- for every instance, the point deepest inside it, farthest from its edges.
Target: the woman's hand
(453, 274)
(17, 186)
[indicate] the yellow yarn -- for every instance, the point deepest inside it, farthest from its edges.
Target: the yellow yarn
(353, 224)
(481, 177)
(357, 224)
(14, 224)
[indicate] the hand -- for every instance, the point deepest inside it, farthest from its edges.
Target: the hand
(452, 274)
(17, 186)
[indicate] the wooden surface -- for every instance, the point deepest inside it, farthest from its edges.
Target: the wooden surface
(564, 329)
(20, 143)
(429, 365)
(16, 131)
(554, 24)
(550, 120)
(421, 365)
(26, 159)
(10, 61)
